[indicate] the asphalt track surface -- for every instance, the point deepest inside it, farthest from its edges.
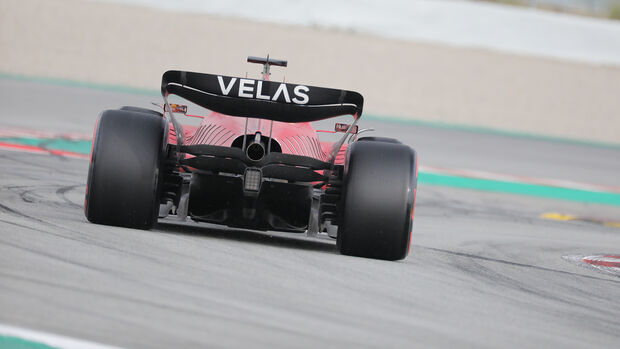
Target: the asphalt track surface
(484, 270)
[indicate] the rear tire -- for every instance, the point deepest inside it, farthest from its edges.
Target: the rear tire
(378, 199)
(141, 110)
(379, 139)
(124, 172)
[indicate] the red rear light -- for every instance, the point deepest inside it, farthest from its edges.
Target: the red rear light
(344, 128)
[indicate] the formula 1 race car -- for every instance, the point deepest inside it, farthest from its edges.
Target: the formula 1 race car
(254, 162)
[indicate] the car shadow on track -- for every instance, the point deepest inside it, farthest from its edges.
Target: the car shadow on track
(284, 240)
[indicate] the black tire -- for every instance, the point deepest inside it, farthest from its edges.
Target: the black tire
(124, 172)
(141, 110)
(375, 217)
(379, 139)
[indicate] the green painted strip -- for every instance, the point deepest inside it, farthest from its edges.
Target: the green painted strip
(18, 343)
(76, 146)
(489, 131)
(81, 84)
(520, 188)
(392, 119)
(83, 147)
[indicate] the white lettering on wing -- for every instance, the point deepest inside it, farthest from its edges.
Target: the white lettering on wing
(281, 90)
(246, 88)
(249, 88)
(226, 89)
(259, 91)
(301, 97)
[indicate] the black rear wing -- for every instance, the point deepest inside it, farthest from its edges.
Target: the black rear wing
(270, 100)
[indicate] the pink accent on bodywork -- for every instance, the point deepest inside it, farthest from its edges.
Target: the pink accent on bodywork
(342, 153)
(172, 135)
(294, 138)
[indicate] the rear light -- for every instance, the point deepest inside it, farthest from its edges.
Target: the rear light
(344, 128)
(252, 179)
(178, 108)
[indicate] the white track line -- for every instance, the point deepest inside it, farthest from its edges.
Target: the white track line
(52, 340)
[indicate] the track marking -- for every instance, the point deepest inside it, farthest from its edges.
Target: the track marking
(25, 133)
(383, 118)
(40, 150)
(560, 183)
(79, 146)
(568, 217)
(539, 190)
(12, 335)
(72, 144)
(608, 263)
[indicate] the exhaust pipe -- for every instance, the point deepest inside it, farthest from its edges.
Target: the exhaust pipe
(255, 150)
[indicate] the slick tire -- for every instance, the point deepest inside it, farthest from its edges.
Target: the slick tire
(377, 204)
(379, 139)
(124, 176)
(141, 110)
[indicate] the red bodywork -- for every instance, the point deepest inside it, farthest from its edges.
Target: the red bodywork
(294, 138)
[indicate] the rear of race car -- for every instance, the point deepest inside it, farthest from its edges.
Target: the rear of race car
(256, 162)
(245, 179)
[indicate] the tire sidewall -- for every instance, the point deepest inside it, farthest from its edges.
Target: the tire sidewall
(379, 185)
(132, 166)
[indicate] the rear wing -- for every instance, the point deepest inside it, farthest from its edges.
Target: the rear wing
(263, 99)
